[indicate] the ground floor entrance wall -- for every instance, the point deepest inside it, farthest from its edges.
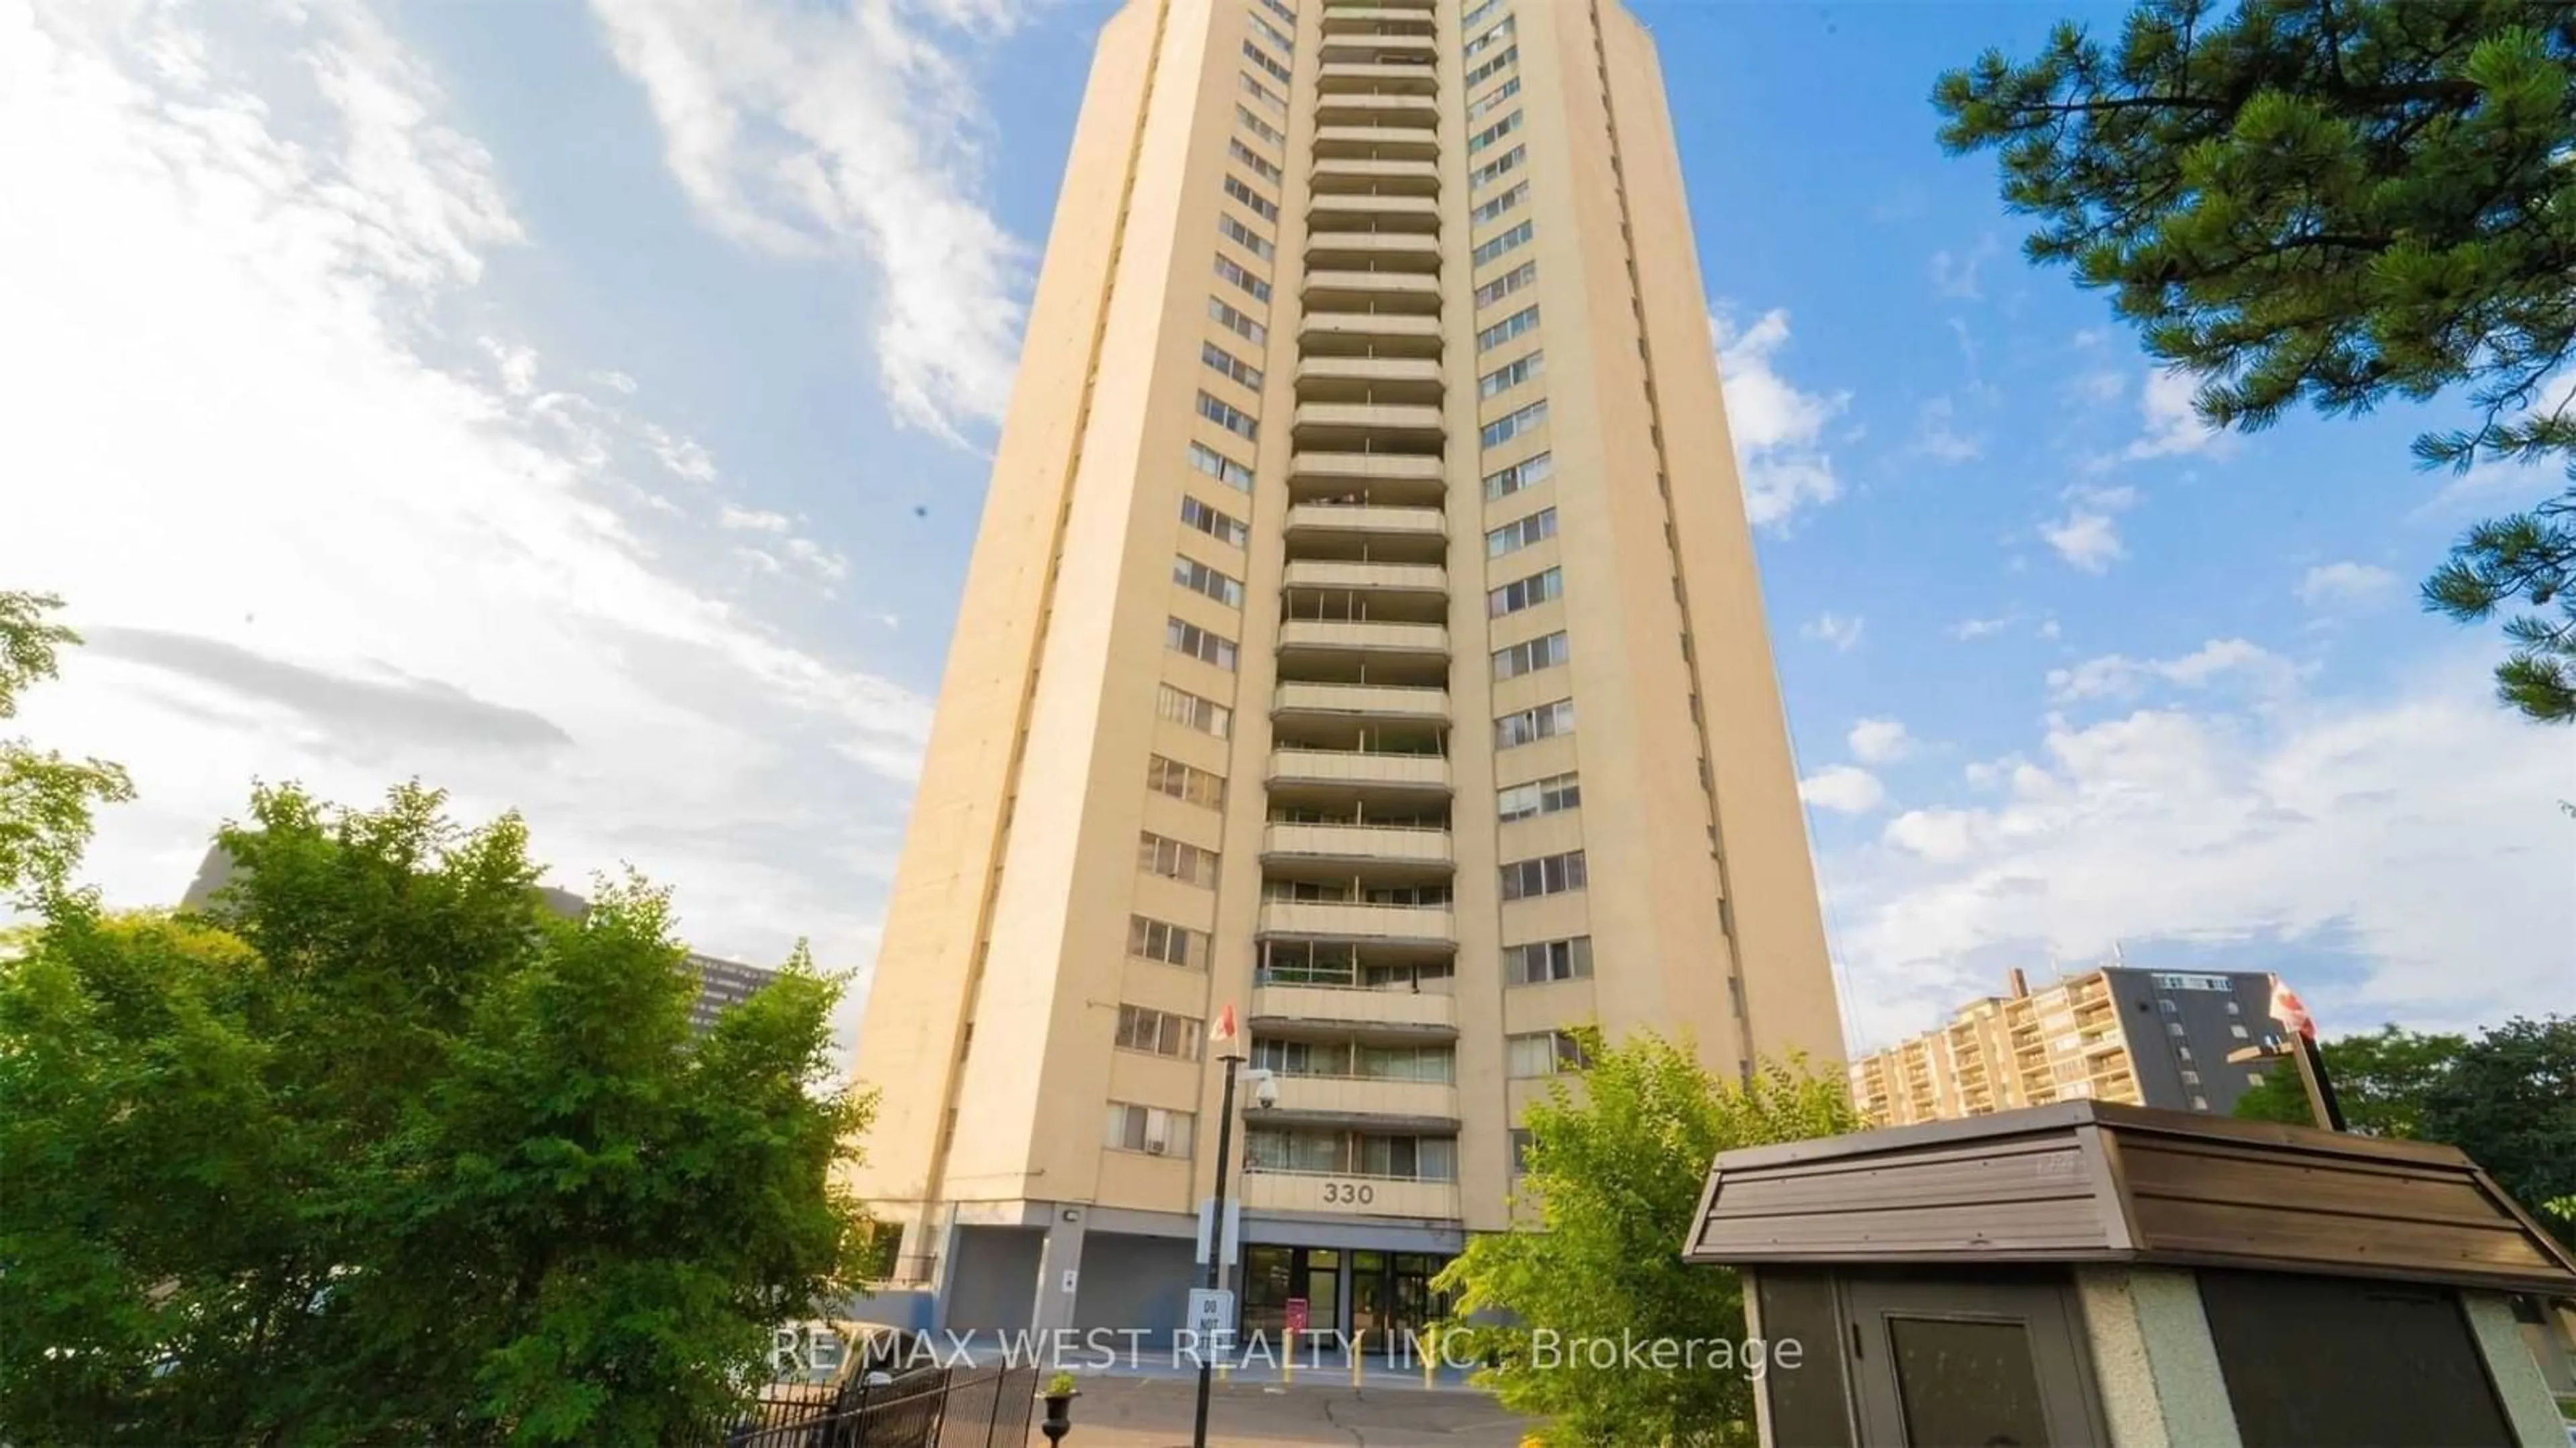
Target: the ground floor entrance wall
(1136, 1284)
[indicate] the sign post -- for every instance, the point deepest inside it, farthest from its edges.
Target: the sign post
(1229, 1055)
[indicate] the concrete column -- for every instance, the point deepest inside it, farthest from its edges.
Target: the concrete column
(939, 1224)
(2514, 1371)
(2153, 1360)
(1059, 1266)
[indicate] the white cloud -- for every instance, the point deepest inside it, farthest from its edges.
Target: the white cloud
(847, 133)
(2102, 386)
(312, 541)
(1936, 434)
(1778, 429)
(2409, 834)
(1833, 628)
(1844, 789)
(1978, 628)
(1954, 274)
(2116, 676)
(2172, 428)
(2088, 536)
(752, 520)
(2331, 585)
(1879, 741)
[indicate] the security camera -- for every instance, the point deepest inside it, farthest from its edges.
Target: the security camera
(1265, 1090)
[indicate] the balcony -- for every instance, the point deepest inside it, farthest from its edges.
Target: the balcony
(1342, 176)
(1380, 74)
(1344, 18)
(1363, 520)
(1374, 250)
(1409, 293)
(1399, 143)
(1415, 380)
(1373, 1015)
(1349, 1196)
(1430, 926)
(1406, 479)
(1356, 844)
(1336, 425)
(1364, 1102)
(1384, 701)
(1408, 109)
(1372, 211)
(1370, 334)
(1380, 48)
(1359, 770)
(1363, 577)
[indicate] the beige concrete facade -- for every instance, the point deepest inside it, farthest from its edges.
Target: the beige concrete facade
(1364, 594)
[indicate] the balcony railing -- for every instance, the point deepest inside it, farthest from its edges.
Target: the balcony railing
(1345, 1194)
(1368, 1102)
(1362, 577)
(1359, 767)
(1426, 1013)
(1349, 920)
(1392, 844)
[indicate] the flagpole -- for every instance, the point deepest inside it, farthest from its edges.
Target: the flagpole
(1216, 1228)
(2292, 1014)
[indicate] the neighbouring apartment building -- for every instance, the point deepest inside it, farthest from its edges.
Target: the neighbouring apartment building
(1363, 635)
(2144, 1037)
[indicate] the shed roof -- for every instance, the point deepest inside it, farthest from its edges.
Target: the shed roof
(2087, 1181)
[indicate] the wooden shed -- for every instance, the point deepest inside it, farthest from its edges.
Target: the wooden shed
(2090, 1273)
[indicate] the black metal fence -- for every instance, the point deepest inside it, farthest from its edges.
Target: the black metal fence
(931, 1408)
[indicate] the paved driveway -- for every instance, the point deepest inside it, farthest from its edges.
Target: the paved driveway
(1156, 1413)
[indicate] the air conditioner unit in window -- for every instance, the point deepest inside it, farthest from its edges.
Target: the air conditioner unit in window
(1154, 1146)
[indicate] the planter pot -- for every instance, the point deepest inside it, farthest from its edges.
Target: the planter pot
(1059, 1415)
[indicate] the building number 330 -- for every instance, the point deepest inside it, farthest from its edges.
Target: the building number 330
(1357, 1194)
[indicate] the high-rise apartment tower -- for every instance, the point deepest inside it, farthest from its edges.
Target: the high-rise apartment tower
(1364, 636)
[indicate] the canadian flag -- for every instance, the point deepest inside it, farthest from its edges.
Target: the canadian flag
(1222, 1033)
(2287, 1009)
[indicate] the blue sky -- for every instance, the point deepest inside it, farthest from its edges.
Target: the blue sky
(583, 407)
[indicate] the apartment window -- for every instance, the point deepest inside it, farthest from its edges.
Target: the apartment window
(1509, 282)
(1497, 96)
(1220, 360)
(1521, 533)
(1270, 32)
(1253, 161)
(1220, 467)
(1190, 711)
(1151, 939)
(2253, 1078)
(1184, 782)
(1228, 269)
(1517, 236)
(2200, 1103)
(2191, 1078)
(1552, 795)
(1226, 415)
(1521, 1139)
(1237, 323)
(2234, 1009)
(1260, 206)
(1531, 725)
(1497, 168)
(1476, 16)
(2237, 1031)
(1174, 860)
(1245, 237)
(1262, 93)
(1150, 1129)
(1512, 424)
(1501, 202)
(1159, 1033)
(1198, 578)
(1515, 325)
(1527, 473)
(1542, 961)
(2183, 1052)
(2174, 1029)
(1198, 643)
(1213, 523)
(2168, 1007)
(1549, 652)
(1493, 133)
(1282, 11)
(1245, 118)
(1523, 593)
(1492, 67)
(1274, 69)
(1490, 38)
(1542, 1053)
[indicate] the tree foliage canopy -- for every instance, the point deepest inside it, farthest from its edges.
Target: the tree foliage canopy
(1614, 1169)
(45, 799)
(379, 1151)
(2335, 202)
(2508, 1099)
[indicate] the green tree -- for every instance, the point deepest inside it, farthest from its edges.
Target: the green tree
(45, 799)
(2338, 202)
(2380, 1079)
(1614, 1170)
(2509, 1101)
(379, 1151)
